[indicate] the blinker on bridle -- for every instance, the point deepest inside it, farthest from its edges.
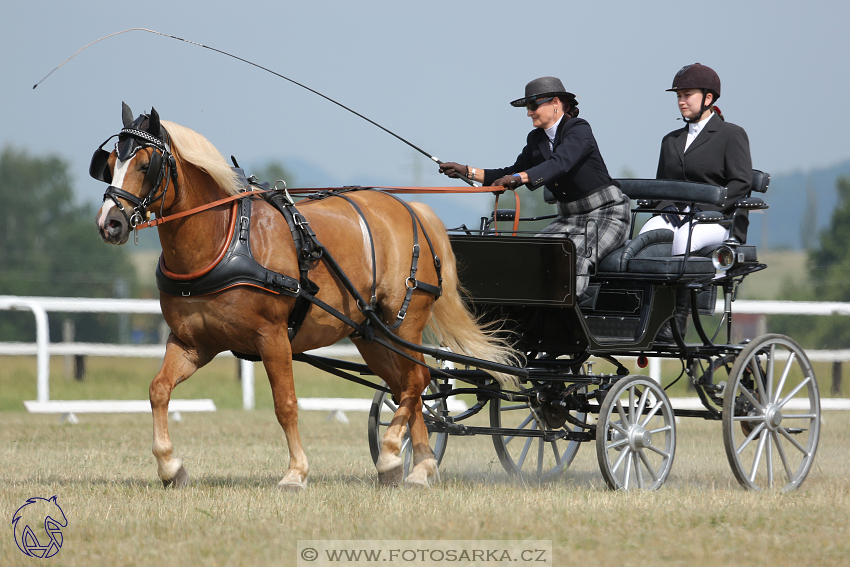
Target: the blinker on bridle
(160, 161)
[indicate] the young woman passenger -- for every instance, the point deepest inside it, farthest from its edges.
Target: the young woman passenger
(562, 154)
(708, 150)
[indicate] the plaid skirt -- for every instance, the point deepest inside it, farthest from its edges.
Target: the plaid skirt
(603, 218)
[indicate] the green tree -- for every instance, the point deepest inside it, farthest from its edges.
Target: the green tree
(829, 273)
(272, 171)
(49, 246)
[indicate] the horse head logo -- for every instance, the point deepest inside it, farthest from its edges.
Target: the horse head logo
(38, 527)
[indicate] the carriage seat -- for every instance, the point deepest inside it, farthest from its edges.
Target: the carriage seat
(650, 253)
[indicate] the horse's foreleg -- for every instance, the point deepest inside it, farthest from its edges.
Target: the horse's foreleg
(180, 362)
(278, 363)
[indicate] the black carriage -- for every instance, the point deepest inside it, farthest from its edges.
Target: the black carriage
(763, 390)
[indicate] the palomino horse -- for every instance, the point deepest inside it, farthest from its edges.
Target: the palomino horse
(168, 169)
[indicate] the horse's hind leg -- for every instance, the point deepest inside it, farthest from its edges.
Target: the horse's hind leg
(407, 380)
(179, 363)
(277, 360)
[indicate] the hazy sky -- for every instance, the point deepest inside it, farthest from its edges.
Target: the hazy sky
(440, 74)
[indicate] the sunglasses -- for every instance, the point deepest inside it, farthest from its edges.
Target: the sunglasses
(535, 104)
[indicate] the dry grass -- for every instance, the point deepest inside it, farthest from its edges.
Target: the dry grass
(233, 514)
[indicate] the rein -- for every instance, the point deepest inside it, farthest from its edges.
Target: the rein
(397, 190)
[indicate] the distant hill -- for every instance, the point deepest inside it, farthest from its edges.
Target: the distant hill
(780, 226)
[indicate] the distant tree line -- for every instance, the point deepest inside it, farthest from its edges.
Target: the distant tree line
(49, 246)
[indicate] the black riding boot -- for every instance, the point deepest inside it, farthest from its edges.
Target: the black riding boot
(683, 308)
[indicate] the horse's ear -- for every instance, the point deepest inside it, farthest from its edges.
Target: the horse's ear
(154, 126)
(126, 115)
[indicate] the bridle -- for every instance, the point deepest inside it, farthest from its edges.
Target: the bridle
(130, 141)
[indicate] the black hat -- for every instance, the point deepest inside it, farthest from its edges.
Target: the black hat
(545, 86)
(697, 76)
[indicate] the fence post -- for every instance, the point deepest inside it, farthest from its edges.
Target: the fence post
(68, 337)
(836, 377)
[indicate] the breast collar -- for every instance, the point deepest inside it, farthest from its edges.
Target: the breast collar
(237, 267)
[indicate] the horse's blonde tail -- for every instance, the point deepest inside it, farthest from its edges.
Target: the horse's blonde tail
(452, 324)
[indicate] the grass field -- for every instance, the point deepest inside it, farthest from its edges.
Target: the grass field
(233, 514)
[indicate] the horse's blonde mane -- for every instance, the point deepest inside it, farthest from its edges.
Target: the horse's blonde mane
(191, 147)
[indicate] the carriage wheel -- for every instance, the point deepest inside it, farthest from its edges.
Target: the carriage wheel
(377, 426)
(771, 414)
(532, 458)
(636, 434)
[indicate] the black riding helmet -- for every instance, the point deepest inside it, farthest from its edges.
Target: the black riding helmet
(697, 76)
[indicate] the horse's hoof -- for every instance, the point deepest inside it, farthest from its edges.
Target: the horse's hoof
(180, 480)
(292, 486)
(391, 477)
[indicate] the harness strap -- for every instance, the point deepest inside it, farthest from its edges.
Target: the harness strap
(374, 298)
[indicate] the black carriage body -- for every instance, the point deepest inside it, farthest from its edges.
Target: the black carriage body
(530, 282)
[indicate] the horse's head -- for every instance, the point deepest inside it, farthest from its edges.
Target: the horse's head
(139, 171)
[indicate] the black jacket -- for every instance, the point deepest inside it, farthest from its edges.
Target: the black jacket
(719, 155)
(571, 170)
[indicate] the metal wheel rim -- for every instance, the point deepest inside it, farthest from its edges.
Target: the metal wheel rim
(636, 449)
(377, 426)
(778, 446)
(521, 456)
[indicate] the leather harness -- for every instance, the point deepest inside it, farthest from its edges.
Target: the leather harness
(238, 267)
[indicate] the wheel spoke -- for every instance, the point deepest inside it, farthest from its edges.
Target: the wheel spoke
(808, 416)
(752, 400)
(642, 402)
(628, 473)
(758, 378)
(660, 429)
(623, 419)
(659, 451)
(749, 417)
(556, 452)
(649, 467)
(619, 429)
(769, 383)
(753, 434)
(526, 446)
(769, 460)
(619, 461)
(757, 460)
(521, 426)
(632, 405)
(652, 413)
(616, 444)
(793, 392)
(389, 403)
(794, 441)
(782, 456)
(636, 459)
(785, 371)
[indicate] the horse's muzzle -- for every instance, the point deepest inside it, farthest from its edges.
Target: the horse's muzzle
(113, 227)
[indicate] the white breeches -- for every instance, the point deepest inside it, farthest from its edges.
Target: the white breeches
(703, 234)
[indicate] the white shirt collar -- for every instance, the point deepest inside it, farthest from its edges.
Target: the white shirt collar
(552, 130)
(695, 128)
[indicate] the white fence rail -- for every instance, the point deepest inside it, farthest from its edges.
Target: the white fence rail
(43, 348)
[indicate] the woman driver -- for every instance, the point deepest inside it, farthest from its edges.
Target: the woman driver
(561, 153)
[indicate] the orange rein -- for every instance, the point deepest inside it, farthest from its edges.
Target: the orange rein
(399, 190)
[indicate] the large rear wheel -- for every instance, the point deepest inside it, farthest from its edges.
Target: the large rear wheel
(771, 414)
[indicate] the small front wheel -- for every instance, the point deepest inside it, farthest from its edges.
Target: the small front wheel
(636, 435)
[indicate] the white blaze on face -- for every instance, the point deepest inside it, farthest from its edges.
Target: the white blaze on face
(121, 168)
